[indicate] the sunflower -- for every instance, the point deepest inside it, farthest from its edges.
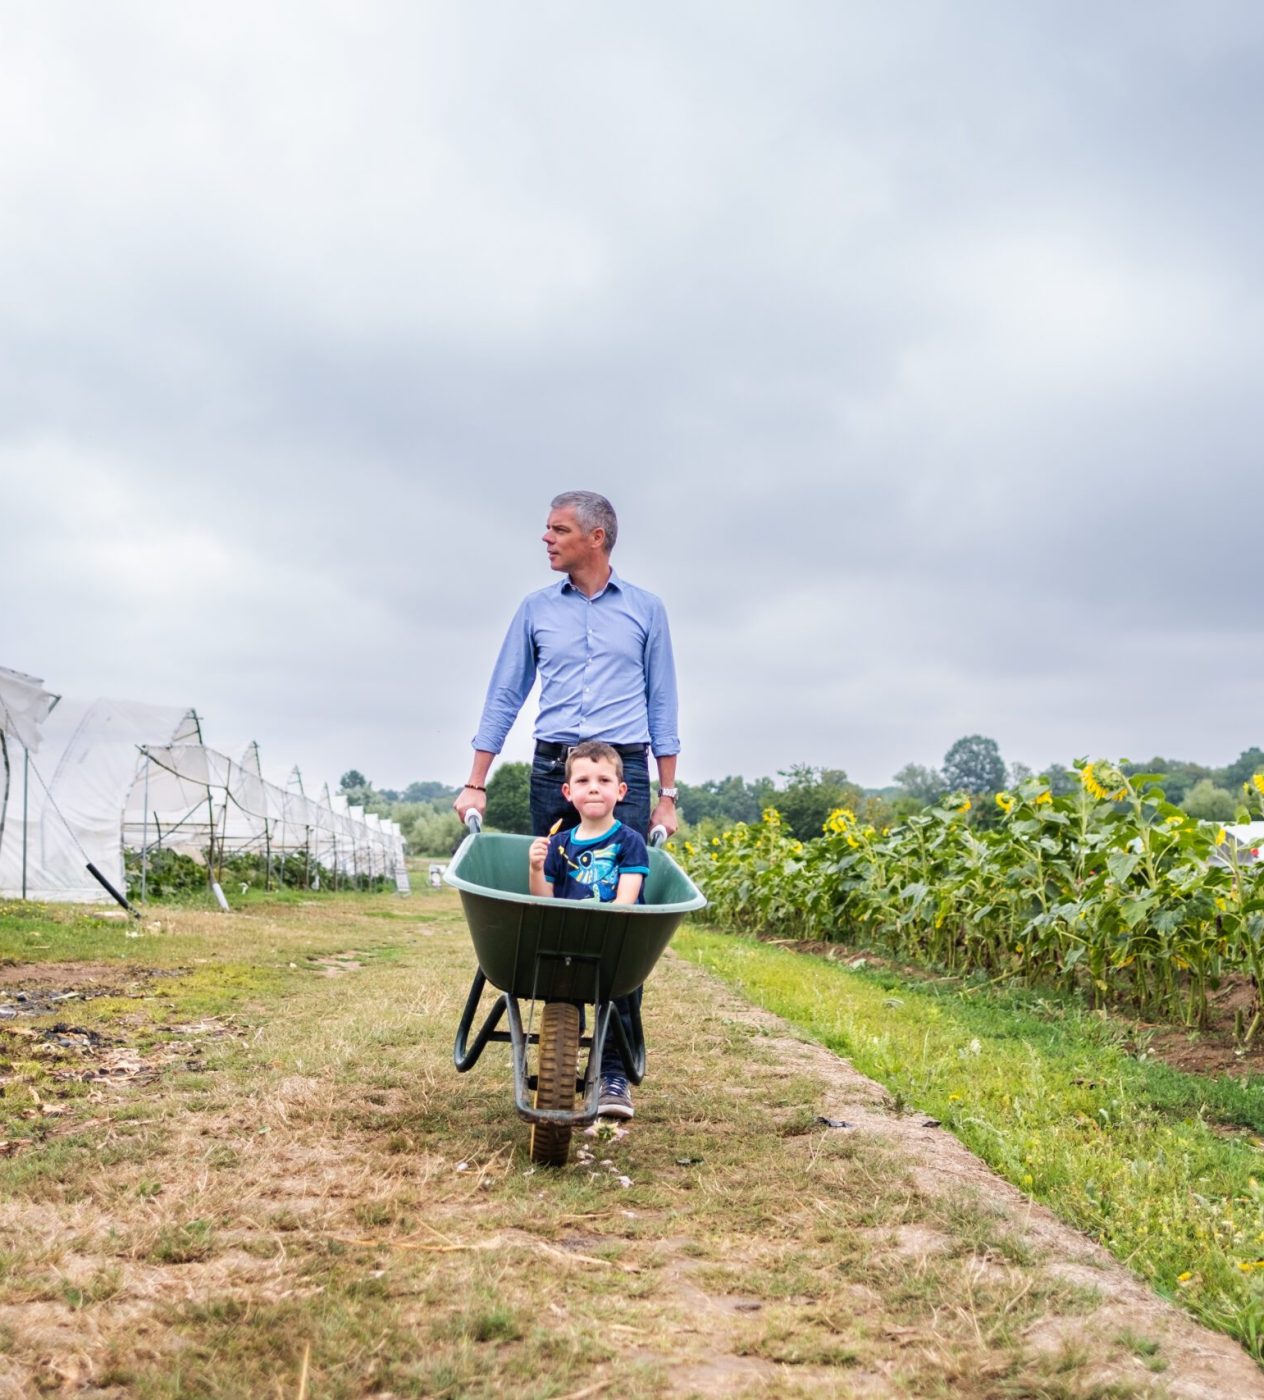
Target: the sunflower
(1104, 781)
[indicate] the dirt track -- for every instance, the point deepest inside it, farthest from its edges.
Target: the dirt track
(321, 1206)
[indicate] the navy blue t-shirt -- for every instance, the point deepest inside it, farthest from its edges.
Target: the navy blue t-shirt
(591, 869)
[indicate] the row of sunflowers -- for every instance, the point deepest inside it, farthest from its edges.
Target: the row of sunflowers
(1110, 891)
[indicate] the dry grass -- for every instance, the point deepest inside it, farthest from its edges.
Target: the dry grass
(322, 1207)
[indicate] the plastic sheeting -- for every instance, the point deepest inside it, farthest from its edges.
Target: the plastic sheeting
(89, 760)
(24, 706)
(117, 774)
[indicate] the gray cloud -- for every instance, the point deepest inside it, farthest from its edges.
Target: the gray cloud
(916, 351)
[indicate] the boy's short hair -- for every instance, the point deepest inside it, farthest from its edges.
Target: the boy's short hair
(595, 748)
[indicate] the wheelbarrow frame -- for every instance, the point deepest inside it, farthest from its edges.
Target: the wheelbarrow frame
(537, 948)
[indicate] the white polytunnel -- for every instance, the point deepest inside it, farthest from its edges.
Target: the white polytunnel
(114, 775)
(194, 800)
(24, 707)
(89, 760)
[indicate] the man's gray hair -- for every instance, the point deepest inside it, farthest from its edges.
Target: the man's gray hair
(592, 511)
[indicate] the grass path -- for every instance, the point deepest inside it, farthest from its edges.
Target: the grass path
(272, 1183)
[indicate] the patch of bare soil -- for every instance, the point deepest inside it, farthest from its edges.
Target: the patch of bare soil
(1210, 1050)
(32, 989)
(337, 964)
(71, 1057)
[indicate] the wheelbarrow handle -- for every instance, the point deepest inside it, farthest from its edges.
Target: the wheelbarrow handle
(473, 822)
(658, 835)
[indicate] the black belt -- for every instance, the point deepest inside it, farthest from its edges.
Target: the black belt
(545, 748)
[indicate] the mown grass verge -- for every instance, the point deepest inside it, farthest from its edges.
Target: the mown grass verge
(1161, 1167)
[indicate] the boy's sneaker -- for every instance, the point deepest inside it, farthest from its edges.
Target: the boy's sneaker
(616, 1098)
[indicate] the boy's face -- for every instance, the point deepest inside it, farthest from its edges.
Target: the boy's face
(594, 788)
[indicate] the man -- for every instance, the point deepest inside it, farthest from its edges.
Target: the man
(602, 650)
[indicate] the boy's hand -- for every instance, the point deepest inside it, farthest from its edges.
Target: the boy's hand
(539, 850)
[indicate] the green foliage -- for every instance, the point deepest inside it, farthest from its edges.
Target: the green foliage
(728, 800)
(1062, 782)
(1176, 776)
(430, 829)
(811, 794)
(428, 792)
(1241, 770)
(925, 785)
(173, 876)
(509, 798)
(974, 765)
(355, 787)
(1210, 803)
(1108, 892)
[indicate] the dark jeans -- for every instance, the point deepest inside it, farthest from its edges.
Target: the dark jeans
(548, 804)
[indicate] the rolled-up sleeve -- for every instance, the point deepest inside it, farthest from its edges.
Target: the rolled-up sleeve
(660, 685)
(512, 679)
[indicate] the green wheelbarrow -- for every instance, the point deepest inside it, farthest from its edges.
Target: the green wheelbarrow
(565, 954)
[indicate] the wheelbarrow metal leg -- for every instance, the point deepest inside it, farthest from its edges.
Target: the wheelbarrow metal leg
(465, 1057)
(633, 1052)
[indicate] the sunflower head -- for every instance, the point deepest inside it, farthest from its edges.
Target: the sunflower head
(1103, 780)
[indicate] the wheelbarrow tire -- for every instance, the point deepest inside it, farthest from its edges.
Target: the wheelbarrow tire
(555, 1081)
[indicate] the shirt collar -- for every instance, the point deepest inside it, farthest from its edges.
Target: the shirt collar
(614, 581)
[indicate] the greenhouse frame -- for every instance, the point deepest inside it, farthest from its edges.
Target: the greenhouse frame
(92, 780)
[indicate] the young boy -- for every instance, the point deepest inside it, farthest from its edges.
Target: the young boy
(601, 858)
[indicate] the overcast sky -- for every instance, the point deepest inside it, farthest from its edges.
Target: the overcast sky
(918, 346)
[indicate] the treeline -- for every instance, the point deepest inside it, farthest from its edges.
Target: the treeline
(805, 795)
(423, 810)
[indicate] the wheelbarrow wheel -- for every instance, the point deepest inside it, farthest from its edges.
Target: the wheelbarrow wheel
(555, 1081)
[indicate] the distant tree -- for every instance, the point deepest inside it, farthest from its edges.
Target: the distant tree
(509, 798)
(1176, 776)
(925, 784)
(428, 792)
(388, 794)
(1018, 774)
(355, 787)
(430, 832)
(726, 801)
(974, 764)
(1241, 770)
(1062, 781)
(811, 794)
(1210, 803)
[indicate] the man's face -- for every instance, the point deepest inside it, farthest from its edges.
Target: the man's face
(569, 548)
(594, 788)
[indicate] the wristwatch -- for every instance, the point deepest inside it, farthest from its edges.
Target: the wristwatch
(668, 792)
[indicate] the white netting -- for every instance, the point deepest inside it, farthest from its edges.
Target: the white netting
(191, 799)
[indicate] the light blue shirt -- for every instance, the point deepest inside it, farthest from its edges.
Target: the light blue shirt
(605, 665)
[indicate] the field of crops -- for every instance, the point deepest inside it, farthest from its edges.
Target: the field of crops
(1111, 891)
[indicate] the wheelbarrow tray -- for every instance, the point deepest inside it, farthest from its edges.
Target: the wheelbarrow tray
(538, 947)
